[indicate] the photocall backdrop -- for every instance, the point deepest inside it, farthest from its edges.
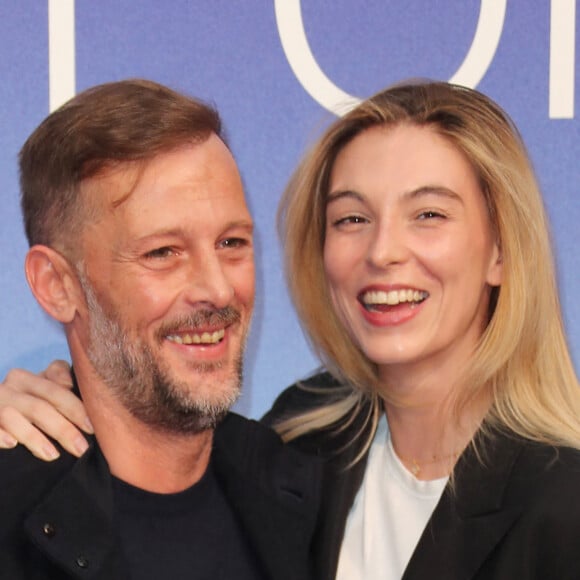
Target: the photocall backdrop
(279, 71)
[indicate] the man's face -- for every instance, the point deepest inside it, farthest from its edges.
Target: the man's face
(168, 276)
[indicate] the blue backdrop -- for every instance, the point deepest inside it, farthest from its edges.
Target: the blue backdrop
(279, 71)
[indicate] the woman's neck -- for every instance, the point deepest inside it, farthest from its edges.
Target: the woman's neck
(429, 437)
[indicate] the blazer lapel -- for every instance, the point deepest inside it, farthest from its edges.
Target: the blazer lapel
(471, 518)
(339, 490)
(274, 491)
(73, 524)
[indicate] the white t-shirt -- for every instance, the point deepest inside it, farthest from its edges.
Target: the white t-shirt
(388, 516)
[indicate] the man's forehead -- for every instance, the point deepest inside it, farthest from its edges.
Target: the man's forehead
(205, 171)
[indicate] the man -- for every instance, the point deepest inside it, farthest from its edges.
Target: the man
(141, 247)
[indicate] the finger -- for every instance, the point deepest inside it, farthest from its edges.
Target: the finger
(7, 441)
(21, 382)
(42, 416)
(22, 430)
(58, 371)
(67, 404)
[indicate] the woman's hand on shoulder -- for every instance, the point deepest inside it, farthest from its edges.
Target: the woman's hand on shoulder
(35, 407)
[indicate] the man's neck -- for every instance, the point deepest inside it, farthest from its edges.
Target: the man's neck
(153, 461)
(148, 458)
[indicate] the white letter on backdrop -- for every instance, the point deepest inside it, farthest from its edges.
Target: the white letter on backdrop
(326, 93)
(562, 52)
(61, 52)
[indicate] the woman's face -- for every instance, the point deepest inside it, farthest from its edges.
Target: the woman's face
(409, 251)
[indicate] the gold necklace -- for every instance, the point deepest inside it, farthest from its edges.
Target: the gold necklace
(416, 467)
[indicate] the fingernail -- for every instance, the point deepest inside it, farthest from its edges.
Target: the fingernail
(8, 441)
(89, 425)
(50, 452)
(80, 445)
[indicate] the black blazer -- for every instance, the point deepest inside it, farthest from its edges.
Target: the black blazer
(513, 516)
(56, 519)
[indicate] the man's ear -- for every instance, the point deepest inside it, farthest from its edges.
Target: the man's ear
(53, 282)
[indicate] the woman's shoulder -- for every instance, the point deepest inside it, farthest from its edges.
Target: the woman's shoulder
(524, 495)
(519, 470)
(317, 390)
(550, 459)
(547, 479)
(554, 465)
(323, 418)
(546, 482)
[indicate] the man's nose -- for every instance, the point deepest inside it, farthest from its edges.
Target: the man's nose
(208, 282)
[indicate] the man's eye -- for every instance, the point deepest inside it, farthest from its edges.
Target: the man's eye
(164, 252)
(234, 243)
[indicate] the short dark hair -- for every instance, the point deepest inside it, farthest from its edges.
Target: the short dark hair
(111, 123)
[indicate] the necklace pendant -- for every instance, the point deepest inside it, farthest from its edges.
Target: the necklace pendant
(415, 468)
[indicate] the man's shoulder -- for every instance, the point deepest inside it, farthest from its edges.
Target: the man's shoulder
(20, 471)
(24, 482)
(53, 513)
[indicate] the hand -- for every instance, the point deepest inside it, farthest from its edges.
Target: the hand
(34, 405)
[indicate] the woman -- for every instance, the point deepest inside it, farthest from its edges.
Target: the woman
(419, 261)
(418, 257)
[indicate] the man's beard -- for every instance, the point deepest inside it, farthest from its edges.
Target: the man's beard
(144, 385)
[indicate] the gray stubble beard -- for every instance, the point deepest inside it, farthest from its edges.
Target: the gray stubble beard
(142, 384)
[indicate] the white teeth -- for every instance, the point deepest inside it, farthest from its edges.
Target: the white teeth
(204, 338)
(393, 297)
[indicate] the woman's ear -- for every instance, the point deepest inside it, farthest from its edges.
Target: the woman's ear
(53, 282)
(495, 271)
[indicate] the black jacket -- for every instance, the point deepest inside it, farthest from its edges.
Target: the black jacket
(56, 519)
(514, 516)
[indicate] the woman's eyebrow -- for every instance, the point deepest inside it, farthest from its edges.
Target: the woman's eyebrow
(424, 190)
(438, 190)
(340, 194)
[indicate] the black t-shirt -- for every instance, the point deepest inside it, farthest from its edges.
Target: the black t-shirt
(191, 535)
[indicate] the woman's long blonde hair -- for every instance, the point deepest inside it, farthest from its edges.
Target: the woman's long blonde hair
(522, 358)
